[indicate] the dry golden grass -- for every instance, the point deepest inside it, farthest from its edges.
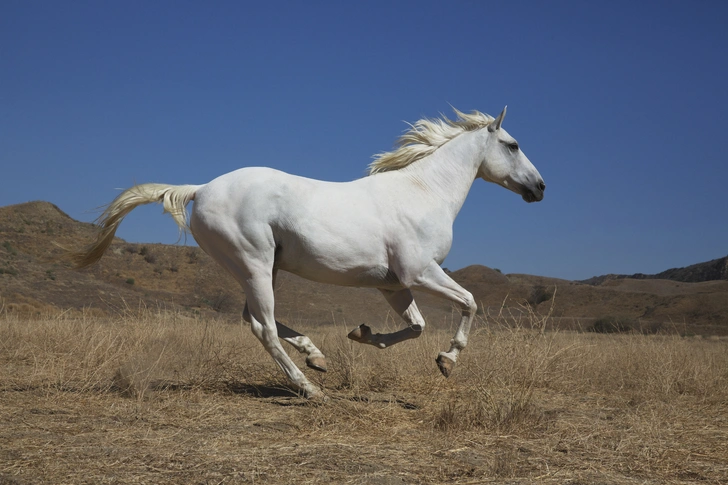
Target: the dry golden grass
(162, 398)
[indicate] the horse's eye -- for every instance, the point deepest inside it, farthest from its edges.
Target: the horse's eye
(513, 147)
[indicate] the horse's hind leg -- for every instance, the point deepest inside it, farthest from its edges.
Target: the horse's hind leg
(260, 302)
(404, 304)
(314, 357)
(250, 259)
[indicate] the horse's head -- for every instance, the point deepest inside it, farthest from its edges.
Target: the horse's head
(505, 164)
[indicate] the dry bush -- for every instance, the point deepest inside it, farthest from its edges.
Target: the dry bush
(513, 357)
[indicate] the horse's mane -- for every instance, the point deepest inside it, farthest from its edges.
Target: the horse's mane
(426, 136)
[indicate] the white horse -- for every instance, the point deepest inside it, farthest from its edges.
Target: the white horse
(390, 230)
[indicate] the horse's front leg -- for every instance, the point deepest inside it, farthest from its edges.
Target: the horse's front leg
(435, 281)
(404, 304)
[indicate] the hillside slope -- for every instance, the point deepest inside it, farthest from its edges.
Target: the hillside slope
(713, 270)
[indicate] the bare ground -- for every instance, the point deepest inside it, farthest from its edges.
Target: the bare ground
(164, 398)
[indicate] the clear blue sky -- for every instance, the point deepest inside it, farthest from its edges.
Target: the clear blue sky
(622, 106)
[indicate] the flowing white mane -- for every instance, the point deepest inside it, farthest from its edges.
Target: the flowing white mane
(426, 136)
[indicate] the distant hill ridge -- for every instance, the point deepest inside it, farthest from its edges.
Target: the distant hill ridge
(716, 269)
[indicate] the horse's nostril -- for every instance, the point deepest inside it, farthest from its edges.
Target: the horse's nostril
(542, 186)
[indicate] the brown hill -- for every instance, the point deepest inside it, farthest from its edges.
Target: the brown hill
(714, 270)
(183, 278)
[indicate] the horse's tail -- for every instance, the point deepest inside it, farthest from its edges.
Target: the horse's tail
(173, 197)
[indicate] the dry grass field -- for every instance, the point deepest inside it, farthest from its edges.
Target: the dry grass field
(153, 397)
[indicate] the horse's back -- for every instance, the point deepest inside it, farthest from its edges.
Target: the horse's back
(266, 195)
(319, 230)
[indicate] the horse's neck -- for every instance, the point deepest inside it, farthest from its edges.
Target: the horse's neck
(449, 172)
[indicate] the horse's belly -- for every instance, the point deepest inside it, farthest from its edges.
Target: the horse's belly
(373, 274)
(379, 277)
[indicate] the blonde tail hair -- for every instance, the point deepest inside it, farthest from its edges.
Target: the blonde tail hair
(173, 197)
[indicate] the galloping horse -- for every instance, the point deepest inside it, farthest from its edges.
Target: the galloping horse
(390, 230)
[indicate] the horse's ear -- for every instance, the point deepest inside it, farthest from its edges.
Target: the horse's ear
(496, 123)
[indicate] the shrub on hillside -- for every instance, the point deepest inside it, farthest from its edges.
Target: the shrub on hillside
(539, 294)
(10, 271)
(613, 324)
(9, 248)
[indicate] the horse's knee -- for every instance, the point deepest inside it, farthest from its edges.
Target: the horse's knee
(469, 304)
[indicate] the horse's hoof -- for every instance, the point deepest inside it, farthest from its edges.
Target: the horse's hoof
(315, 395)
(362, 333)
(445, 364)
(317, 363)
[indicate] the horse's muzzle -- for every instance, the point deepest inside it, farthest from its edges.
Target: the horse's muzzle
(534, 194)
